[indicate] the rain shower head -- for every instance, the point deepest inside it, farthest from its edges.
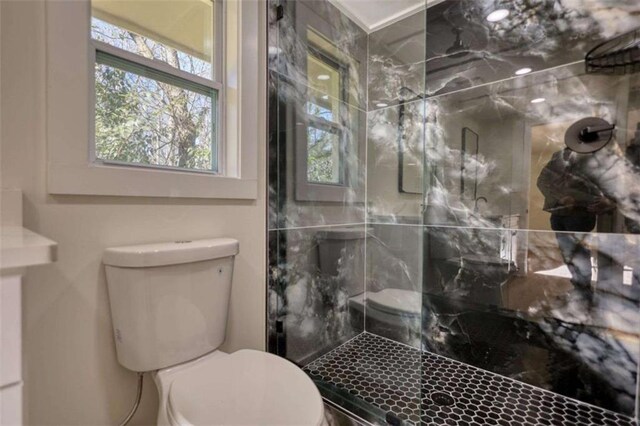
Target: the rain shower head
(588, 135)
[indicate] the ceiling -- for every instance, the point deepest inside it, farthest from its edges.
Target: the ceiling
(375, 14)
(185, 25)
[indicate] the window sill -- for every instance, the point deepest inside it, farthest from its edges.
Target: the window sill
(67, 179)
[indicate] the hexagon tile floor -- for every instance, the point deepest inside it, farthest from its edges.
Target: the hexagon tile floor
(386, 374)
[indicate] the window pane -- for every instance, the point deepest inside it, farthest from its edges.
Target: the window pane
(146, 117)
(324, 156)
(178, 32)
(324, 144)
(325, 81)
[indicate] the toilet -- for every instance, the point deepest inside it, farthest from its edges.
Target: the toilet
(393, 307)
(169, 305)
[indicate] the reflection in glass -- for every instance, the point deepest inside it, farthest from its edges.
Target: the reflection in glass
(325, 151)
(529, 270)
(323, 156)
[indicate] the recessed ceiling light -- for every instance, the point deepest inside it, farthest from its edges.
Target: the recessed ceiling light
(537, 100)
(523, 71)
(324, 77)
(325, 97)
(497, 15)
(381, 105)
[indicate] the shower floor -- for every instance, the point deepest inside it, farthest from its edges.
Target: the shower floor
(414, 387)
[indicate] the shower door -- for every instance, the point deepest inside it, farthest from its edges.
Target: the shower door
(536, 277)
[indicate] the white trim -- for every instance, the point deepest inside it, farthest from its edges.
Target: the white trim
(219, 31)
(69, 112)
(219, 74)
(388, 20)
(154, 64)
(351, 15)
(133, 181)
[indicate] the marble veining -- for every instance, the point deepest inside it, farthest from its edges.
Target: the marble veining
(522, 254)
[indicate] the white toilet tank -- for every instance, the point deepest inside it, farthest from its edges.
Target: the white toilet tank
(169, 301)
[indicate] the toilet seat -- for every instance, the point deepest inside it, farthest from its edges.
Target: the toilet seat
(247, 387)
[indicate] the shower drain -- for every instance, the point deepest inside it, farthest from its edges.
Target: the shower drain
(441, 398)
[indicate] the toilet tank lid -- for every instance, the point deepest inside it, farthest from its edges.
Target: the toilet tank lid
(171, 253)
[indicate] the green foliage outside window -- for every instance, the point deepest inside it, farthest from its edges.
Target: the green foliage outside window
(144, 119)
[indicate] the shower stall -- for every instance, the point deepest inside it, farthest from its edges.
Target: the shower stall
(454, 207)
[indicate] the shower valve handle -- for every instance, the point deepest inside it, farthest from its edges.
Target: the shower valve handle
(590, 133)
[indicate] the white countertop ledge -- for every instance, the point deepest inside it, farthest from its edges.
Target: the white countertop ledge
(21, 248)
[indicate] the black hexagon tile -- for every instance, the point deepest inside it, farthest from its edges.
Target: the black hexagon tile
(421, 387)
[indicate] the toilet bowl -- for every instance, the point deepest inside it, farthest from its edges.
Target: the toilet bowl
(246, 387)
(169, 305)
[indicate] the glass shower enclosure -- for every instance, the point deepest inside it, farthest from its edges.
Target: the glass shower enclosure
(454, 207)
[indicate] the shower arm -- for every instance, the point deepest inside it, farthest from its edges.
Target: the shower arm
(590, 133)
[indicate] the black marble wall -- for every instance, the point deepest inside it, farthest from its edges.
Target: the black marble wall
(529, 266)
(316, 230)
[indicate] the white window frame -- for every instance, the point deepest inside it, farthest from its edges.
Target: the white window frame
(241, 77)
(174, 72)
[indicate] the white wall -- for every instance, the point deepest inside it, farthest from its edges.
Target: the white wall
(71, 372)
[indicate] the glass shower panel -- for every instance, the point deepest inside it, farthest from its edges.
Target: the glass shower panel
(537, 325)
(395, 150)
(314, 273)
(318, 68)
(445, 244)
(395, 141)
(468, 47)
(325, 67)
(530, 230)
(397, 61)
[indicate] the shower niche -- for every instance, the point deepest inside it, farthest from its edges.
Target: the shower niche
(432, 234)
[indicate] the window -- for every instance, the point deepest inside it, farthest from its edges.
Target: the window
(155, 98)
(324, 156)
(325, 139)
(156, 88)
(329, 136)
